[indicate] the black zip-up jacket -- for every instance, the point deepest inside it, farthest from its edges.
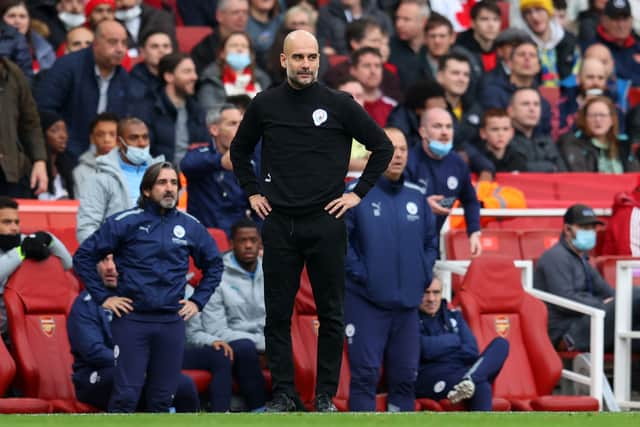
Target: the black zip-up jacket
(306, 143)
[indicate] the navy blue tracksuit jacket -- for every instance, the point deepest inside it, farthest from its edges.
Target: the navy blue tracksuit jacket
(392, 220)
(448, 176)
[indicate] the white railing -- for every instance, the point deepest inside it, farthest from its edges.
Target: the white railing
(447, 268)
(624, 334)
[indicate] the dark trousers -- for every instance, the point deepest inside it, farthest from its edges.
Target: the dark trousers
(319, 240)
(436, 382)
(376, 336)
(149, 355)
(19, 190)
(579, 332)
(246, 369)
(94, 388)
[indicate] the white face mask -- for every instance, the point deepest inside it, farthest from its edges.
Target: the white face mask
(128, 14)
(71, 20)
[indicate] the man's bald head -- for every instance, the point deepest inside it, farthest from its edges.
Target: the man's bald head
(110, 44)
(603, 54)
(435, 113)
(301, 58)
(299, 39)
(592, 75)
(436, 130)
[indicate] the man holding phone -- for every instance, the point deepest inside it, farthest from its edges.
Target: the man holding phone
(444, 174)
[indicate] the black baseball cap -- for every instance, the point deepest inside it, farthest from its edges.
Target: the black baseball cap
(617, 9)
(581, 215)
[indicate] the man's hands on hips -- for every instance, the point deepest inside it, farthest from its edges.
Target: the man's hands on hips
(188, 310)
(342, 204)
(475, 245)
(260, 205)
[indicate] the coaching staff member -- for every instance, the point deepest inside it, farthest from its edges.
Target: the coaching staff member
(306, 131)
(151, 246)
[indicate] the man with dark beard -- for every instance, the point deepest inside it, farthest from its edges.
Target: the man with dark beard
(16, 247)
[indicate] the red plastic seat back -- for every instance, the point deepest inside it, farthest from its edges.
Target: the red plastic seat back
(7, 369)
(304, 338)
(221, 239)
(534, 242)
(494, 241)
(495, 304)
(607, 267)
(38, 296)
(188, 37)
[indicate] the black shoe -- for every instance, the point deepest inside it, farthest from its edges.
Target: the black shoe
(281, 403)
(325, 404)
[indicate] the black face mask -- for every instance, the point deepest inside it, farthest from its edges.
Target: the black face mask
(9, 241)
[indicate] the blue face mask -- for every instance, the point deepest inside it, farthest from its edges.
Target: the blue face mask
(238, 61)
(440, 149)
(138, 156)
(585, 240)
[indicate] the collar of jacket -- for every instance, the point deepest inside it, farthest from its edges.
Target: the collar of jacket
(154, 208)
(627, 43)
(389, 186)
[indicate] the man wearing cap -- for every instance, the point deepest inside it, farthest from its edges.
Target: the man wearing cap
(557, 48)
(564, 270)
(97, 11)
(615, 31)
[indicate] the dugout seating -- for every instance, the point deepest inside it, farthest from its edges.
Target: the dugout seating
(38, 297)
(492, 241)
(222, 241)
(532, 368)
(606, 265)
(16, 405)
(534, 242)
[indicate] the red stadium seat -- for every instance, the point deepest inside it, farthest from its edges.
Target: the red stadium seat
(38, 296)
(221, 239)
(188, 37)
(16, 405)
(494, 241)
(606, 265)
(534, 242)
(200, 377)
(336, 59)
(532, 368)
(504, 9)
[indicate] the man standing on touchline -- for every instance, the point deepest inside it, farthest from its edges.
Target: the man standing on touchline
(306, 143)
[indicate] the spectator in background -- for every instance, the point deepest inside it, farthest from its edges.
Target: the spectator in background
(444, 174)
(439, 38)
(564, 270)
(145, 82)
(14, 46)
(539, 149)
(557, 48)
(454, 75)
(88, 82)
(94, 354)
(174, 118)
(496, 132)
(234, 73)
(16, 247)
(595, 146)
(616, 32)
(450, 364)
(215, 197)
(335, 16)
(384, 284)
(140, 19)
(116, 184)
(78, 38)
(588, 21)
(504, 44)
(265, 18)
(232, 323)
(485, 27)
(15, 13)
(622, 235)
(619, 88)
(366, 67)
(419, 97)
(366, 32)
(60, 16)
(103, 136)
(232, 17)
(524, 65)
(408, 52)
(59, 168)
(359, 153)
(23, 161)
(97, 11)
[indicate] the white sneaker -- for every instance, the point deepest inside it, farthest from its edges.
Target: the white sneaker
(461, 391)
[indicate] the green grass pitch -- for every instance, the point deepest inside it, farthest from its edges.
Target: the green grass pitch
(422, 419)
